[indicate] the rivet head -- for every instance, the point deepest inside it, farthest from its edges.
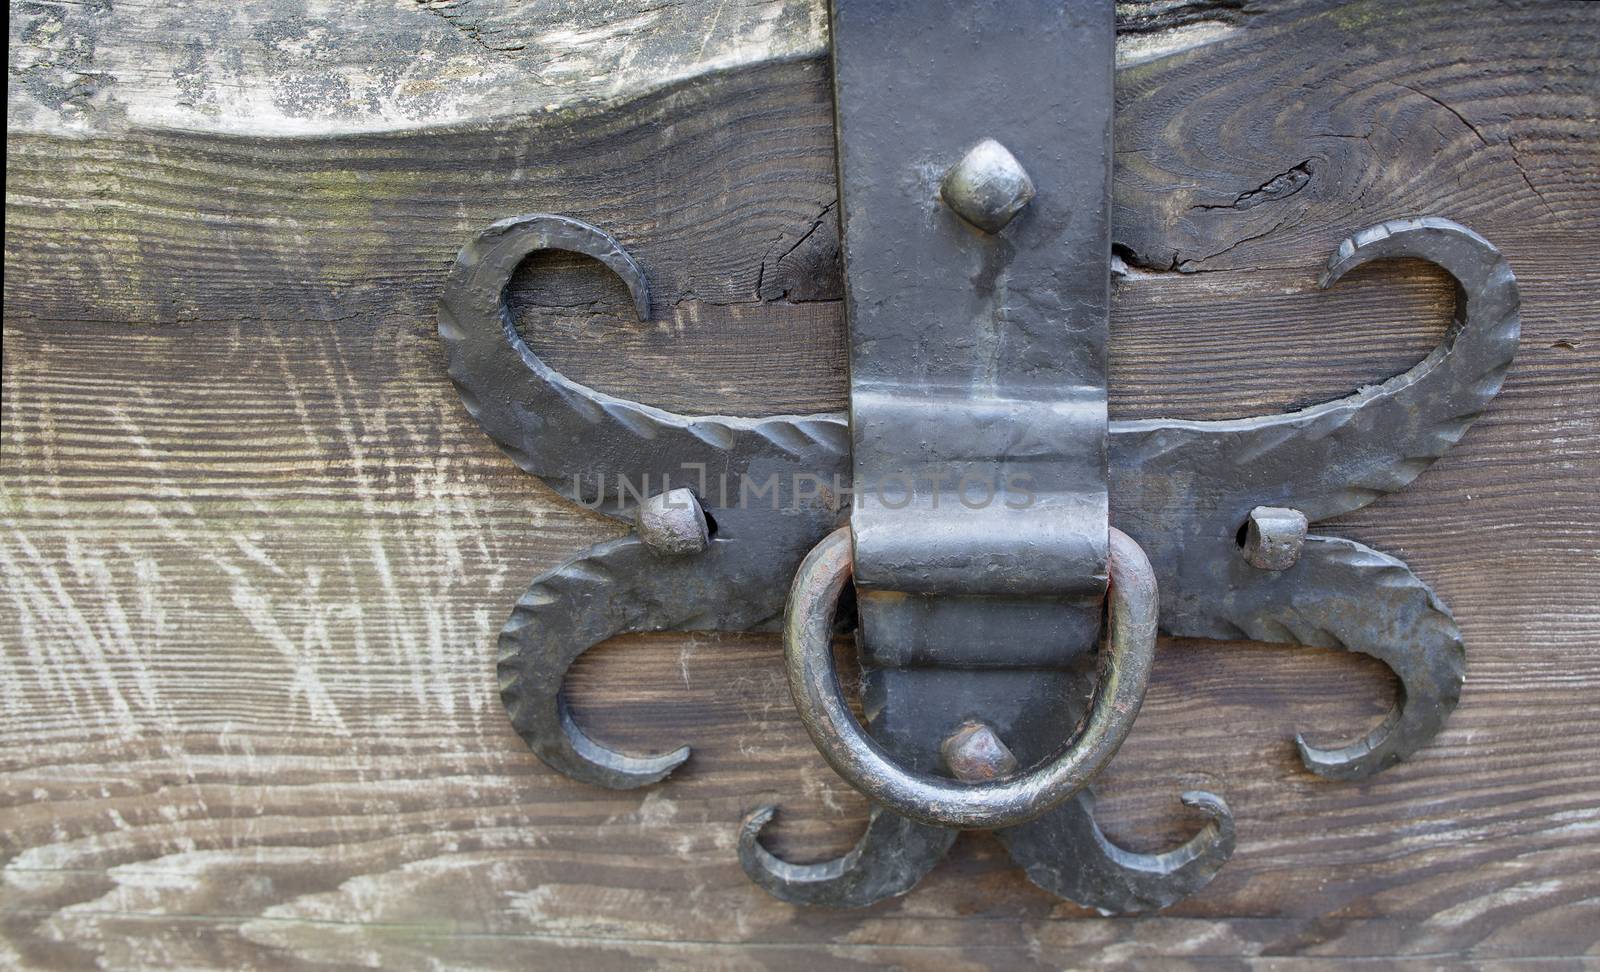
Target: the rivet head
(673, 523)
(974, 754)
(1273, 537)
(988, 187)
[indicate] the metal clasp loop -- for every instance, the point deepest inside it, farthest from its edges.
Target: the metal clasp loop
(1125, 662)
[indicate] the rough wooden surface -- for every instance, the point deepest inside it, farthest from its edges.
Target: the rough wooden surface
(326, 67)
(255, 553)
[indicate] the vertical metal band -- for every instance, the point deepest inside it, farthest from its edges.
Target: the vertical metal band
(974, 169)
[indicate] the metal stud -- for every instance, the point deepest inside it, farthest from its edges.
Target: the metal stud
(673, 523)
(1273, 537)
(975, 754)
(988, 187)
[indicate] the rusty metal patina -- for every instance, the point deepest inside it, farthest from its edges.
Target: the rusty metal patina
(974, 754)
(977, 627)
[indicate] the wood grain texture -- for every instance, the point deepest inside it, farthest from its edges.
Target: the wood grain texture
(322, 67)
(254, 552)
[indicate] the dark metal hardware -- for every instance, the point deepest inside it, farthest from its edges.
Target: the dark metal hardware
(1124, 672)
(974, 187)
(975, 754)
(976, 267)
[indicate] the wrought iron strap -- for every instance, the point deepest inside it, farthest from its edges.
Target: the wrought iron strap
(974, 176)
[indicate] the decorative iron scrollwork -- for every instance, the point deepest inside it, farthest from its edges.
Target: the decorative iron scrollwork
(1219, 509)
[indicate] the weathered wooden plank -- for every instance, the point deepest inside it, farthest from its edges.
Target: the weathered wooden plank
(255, 553)
(319, 67)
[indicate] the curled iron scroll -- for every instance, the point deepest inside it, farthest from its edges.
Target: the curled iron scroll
(580, 441)
(1181, 489)
(1184, 489)
(577, 439)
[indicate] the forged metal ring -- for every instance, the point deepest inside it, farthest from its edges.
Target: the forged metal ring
(1124, 674)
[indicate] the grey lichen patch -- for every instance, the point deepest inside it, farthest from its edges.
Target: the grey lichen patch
(463, 18)
(328, 67)
(324, 67)
(53, 66)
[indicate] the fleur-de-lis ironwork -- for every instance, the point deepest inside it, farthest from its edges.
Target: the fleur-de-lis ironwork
(1219, 508)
